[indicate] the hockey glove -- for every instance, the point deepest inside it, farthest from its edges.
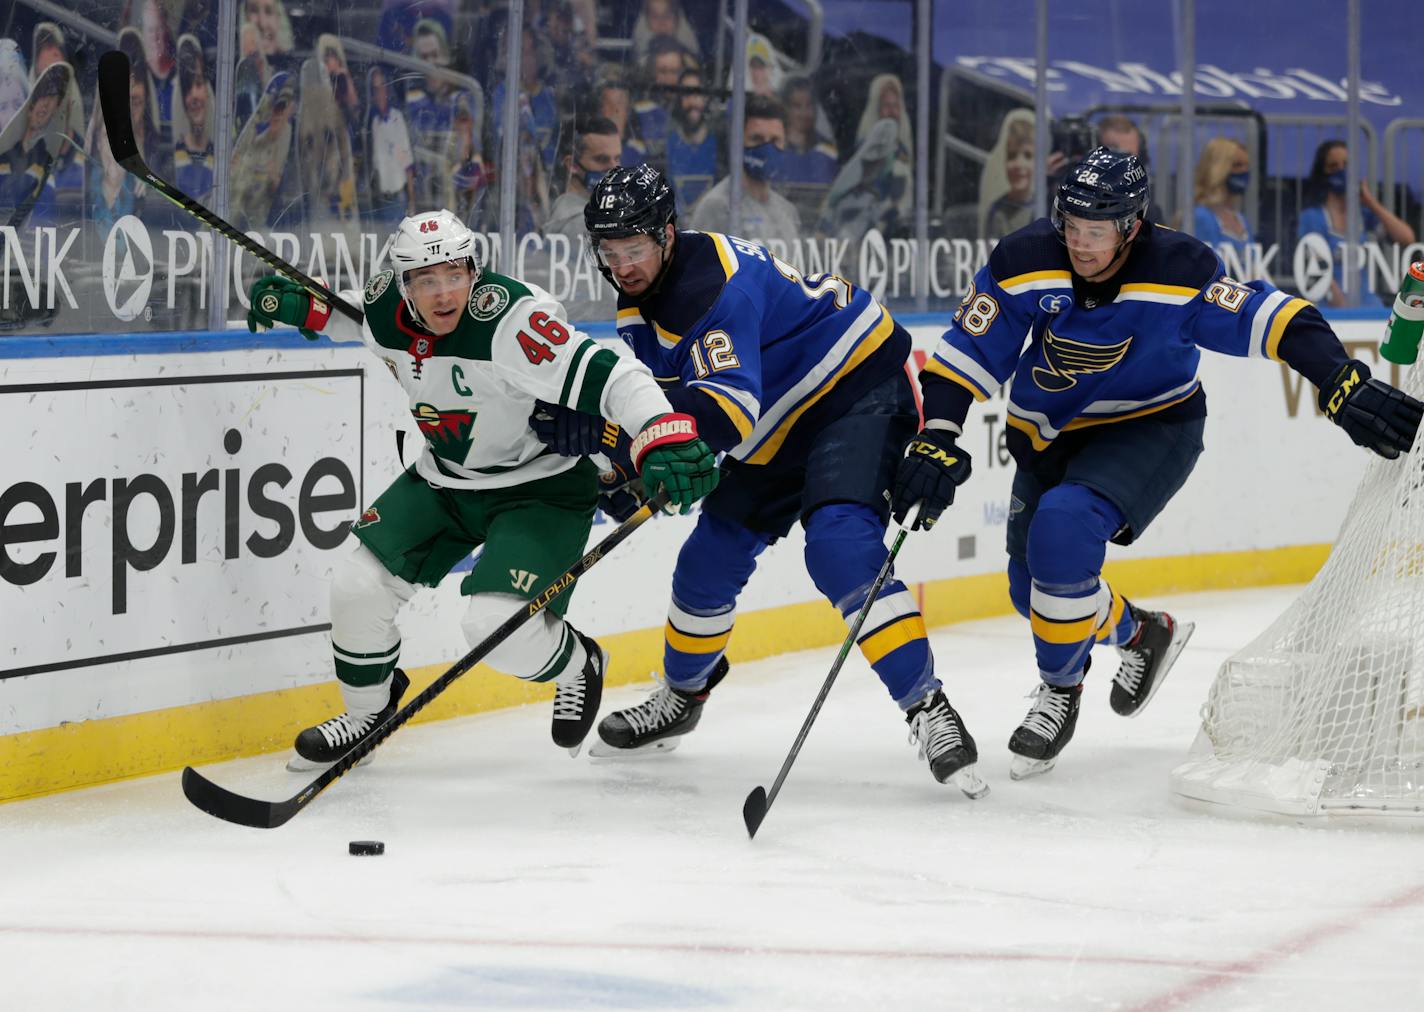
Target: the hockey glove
(571, 433)
(1374, 414)
(932, 469)
(275, 299)
(619, 496)
(668, 454)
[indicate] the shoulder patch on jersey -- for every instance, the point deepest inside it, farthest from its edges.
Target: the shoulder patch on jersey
(377, 286)
(488, 301)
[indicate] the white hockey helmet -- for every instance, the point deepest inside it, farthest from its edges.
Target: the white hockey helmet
(423, 240)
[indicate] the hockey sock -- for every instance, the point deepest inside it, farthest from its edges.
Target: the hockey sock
(713, 566)
(539, 651)
(366, 700)
(1068, 603)
(845, 549)
(365, 598)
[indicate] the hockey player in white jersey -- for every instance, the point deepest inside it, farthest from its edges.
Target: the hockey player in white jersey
(476, 352)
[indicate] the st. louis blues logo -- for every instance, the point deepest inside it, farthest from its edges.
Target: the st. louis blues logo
(449, 433)
(1054, 303)
(1067, 359)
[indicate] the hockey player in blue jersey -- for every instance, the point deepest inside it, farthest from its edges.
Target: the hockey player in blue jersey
(1106, 414)
(801, 381)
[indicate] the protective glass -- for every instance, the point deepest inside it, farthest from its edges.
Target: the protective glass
(615, 253)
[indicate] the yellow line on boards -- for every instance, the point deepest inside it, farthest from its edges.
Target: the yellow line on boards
(86, 753)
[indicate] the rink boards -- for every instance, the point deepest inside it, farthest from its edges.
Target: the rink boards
(169, 521)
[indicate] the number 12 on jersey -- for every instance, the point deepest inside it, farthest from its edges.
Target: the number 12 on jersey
(717, 356)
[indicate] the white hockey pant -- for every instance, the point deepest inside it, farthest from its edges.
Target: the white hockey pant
(366, 600)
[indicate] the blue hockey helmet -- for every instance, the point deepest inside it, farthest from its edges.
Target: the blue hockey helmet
(1107, 185)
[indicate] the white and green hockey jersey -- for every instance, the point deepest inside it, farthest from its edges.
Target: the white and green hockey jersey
(471, 392)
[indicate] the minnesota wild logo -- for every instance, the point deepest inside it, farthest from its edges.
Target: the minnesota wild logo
(449, 433)
(377, 285)
(1067, 359)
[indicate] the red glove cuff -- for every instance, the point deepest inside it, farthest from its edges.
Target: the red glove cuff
(318, 312)
(666, 430)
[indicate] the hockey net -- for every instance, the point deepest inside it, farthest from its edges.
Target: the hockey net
(1323, 713)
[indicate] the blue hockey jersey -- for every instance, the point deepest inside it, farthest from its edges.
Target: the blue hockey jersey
(1083, 354)
(753, 349)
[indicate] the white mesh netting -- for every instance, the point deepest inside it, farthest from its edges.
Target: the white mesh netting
(1323, 713)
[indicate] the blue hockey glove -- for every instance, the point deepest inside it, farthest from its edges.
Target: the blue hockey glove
(932, 469)
(619, 495)
(1374, 414)
(571, 433)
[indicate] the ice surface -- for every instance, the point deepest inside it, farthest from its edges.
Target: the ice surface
(517, 878)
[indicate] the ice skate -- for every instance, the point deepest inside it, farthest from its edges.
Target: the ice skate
(1046, 729)
(1146, 659)
(320, 746)
(658, 723)
(946, 743)
(577, 695)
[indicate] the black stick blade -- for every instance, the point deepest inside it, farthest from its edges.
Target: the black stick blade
(114, 101)
(754, 810)
(224, 804)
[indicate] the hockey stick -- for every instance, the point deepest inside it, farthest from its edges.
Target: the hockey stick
(114, 101)
(759, 801)
(224, 804)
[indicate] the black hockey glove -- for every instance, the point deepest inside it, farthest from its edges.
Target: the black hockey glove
(1374, 414)
(932, 469)
(571, 433)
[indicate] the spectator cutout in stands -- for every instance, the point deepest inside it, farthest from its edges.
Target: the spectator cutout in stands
(538, 109)
(14, 81)
(766, 214)
(662, 17)
(273, 29)
(1324, 215)
(1006, 182)
(612, 100)
(431, 105)
(392, 171)
(811, 160)
(875, 190)
(160, 53)
(262, 187)
(886, 100)
(194, 161)
(324, 162)
(694, 149)
(667, 59)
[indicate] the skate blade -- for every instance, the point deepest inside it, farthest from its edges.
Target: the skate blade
(1174, 649)
(969, 781)
(296, 764)
(602, 750)
(1022, 767)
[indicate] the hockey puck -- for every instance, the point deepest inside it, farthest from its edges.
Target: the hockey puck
(366, 848)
